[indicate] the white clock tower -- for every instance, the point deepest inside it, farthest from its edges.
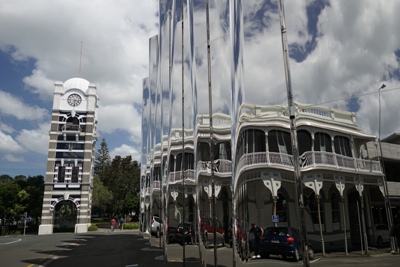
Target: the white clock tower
(69, 175)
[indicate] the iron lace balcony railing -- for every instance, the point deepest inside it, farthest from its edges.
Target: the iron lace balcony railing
(220, 166)
(177, 176)
(310, 159)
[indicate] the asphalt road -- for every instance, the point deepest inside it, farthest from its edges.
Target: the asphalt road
(102, 249)
(128, 249)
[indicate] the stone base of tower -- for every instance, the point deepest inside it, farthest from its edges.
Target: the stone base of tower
(45, 229)
(81, 228)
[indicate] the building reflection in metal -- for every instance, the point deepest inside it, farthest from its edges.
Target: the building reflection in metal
(180, 188)
(164, 84)
(156, 136)
(144, 191)
(213, 242)
(252, 162)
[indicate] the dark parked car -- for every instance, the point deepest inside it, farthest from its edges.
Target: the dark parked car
(284, 241)
(185, 233)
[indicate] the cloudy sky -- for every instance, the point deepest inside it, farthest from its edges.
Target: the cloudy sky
(339, 49)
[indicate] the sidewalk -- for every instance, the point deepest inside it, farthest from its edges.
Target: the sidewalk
(372, 252)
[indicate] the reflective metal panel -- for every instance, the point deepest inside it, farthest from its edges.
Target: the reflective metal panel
(164, 86)
(144, 199)
(180, 189)
(213, 147)
(256, 196)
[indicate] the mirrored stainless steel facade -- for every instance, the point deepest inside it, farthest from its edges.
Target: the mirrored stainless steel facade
(216, 162)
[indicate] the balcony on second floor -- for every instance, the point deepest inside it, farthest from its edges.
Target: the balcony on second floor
(310, 160)
(156, 184)
(221, 166)
(176, 177)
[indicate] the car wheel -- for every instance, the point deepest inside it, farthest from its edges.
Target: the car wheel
(310, 253)
(264, 255)
(379, 242)
(296, 256)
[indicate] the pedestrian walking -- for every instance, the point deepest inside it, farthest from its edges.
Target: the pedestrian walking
(121, 223)
(113, 223)
(257, 232)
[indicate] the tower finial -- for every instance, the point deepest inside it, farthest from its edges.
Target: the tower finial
(80, 60)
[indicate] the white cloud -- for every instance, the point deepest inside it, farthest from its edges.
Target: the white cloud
(114, 35)
(6, 128)
(13, 106)
(124, 116)
(40, 85)
(124, 151)
(8, 144)
(36, 140)
(13, 158)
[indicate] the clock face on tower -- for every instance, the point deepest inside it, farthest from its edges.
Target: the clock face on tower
(74, 100)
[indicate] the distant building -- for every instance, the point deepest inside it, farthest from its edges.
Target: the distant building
(391, 162)
(69, 175)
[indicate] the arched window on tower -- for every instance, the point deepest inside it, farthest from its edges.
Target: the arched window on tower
(72, 124)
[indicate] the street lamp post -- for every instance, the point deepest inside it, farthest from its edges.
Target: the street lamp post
(293, 134)
(385, 188)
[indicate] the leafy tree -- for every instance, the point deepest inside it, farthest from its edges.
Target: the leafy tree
(35, 189)
(20, 177)
(9, 198)
(122, 178)
(20, 206)
(5, 178)
(102, 158)
(102, 197)
(22, 195)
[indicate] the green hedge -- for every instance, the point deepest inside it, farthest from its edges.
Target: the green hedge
(93, 227)
(131, 225)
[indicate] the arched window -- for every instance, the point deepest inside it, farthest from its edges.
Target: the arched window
(204, 150)
(281, 208)
(280, 142)
(342, 146)
(322, 142)
(72, 124)
(312, 203)
(335, 207)
(254, 141)
(304, 140)
(171, 163)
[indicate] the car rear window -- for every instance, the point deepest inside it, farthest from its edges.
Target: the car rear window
(279, 231)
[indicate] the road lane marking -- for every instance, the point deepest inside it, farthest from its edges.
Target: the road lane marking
(11, 242)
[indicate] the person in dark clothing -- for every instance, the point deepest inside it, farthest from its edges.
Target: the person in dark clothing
(257, 232)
